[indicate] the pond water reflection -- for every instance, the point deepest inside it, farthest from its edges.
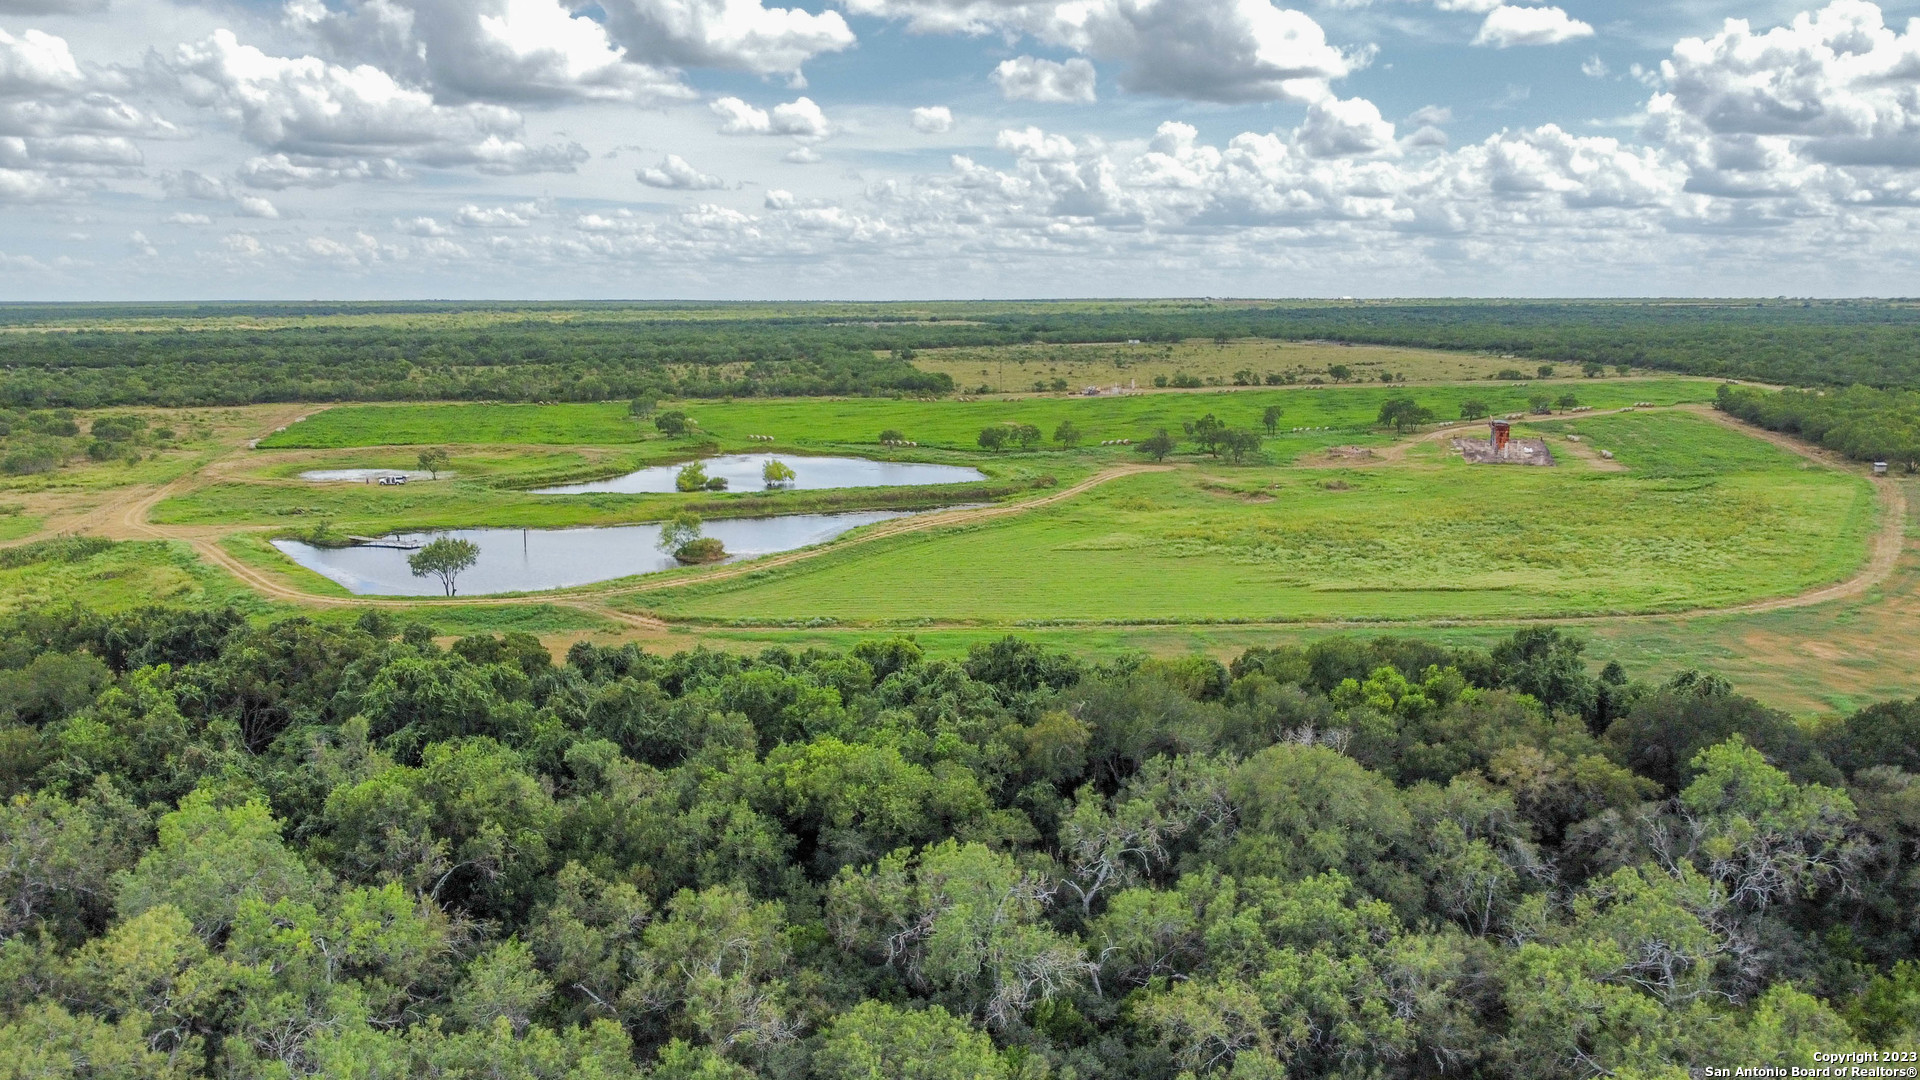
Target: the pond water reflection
(743, 473)
(517, 560)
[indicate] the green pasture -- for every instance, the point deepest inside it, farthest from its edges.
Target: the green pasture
(604, 423)
(950, 424)
(516, 468)
(1669, 445)
(15, 525)
(124, 575)
(1431, 539)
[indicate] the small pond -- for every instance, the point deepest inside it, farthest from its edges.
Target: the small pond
(515, 560)
(742, 473)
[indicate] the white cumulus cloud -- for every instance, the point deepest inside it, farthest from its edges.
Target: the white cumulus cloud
(1825, 109)
(1507, 26)
(800, 118)
(1027, 78)
(255, 206)
(62, 130)
(316, 111)
(487, 50)
(36, 62)
(675, 173)
(1350, 128)
(931, 119)
(471, 216)
(1206, 50)
(739, 35)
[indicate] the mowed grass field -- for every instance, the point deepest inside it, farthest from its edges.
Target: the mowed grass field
(1701, 516)
(950, 424)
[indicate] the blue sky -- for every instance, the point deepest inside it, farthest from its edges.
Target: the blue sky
(895, 149)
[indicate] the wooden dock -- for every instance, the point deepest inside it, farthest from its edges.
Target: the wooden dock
(374, 541)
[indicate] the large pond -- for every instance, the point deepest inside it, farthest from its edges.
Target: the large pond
(743, 473)
(515, 560)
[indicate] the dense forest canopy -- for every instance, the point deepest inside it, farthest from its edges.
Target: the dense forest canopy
(1863, 423)
(85, 356)
(303, 849)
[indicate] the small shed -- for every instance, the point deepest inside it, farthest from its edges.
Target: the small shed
(1879, 468)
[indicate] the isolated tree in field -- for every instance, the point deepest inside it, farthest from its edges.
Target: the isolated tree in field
(691, 477)
(433, 460)
(1340, 372)
(1158, 445)
(673, 422)
(1404, 414)
(1026, 435)
(1594, 369)
(1239, 443)
(1066, 434)
(1540, 403)
(1545, 370)
(776, 473)
(1207, 432)
(445, 558)
(1568, 402)
(1473, 409)
(640, 406)
(1623, 369)
(1270, 419)
(993, 438)
(893, 435)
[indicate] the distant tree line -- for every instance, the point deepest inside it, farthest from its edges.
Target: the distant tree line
(537, 363)
(854, 349)
(293, 849)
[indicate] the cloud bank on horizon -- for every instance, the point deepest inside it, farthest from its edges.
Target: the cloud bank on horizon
(902, 148)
